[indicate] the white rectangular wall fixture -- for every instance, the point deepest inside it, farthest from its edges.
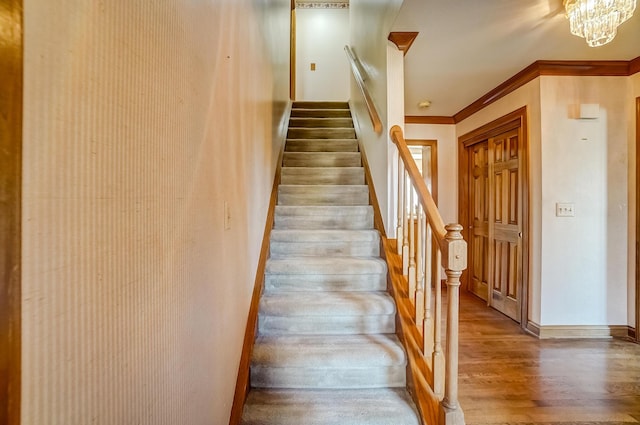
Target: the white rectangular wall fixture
(589, 111)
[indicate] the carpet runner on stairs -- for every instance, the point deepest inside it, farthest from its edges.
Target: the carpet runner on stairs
(326, 351)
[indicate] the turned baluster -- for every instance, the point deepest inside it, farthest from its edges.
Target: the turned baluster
(401, 202)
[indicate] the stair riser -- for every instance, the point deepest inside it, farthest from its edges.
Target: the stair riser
(328, 222)
(317, 378)
(322, 159)
(347, 407)
(319, 282)
(321, 145)
(321, 113)
(323, 195)
(328, 249)
(347, 222)
(321, 122)
(321, 133)
(355, 177)
(320, 105)
(315, 325)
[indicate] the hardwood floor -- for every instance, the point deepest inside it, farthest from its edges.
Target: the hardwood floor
(510, 377)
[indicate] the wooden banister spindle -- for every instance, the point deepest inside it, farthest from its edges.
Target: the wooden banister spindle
(438, 356)
(419, 302)
(455, 263)
(405, 229)
(401, 202)
(430, 265)
(412, 248)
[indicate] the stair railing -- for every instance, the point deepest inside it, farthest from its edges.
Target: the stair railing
(360, 76)
(426, 246)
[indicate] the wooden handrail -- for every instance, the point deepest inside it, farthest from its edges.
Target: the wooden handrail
(428, 245)
(360, 76)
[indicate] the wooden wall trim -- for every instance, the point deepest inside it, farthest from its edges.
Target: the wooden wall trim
(531, 72)
(403, 40)
(520, 79)
(634, 66)
(11, 105)
(242, 381)
(428, 119)
(637, 321)
(584, 331)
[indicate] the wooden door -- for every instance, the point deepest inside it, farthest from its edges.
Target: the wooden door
(479, 219)
(493, 210)
(505, 228)
(11, 104)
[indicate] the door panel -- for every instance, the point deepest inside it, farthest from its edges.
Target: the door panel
(479, 190)
(505, 229)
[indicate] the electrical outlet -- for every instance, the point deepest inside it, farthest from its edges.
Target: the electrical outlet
(565, 209)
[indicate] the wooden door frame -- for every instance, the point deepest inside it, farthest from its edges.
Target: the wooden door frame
(11, 84)
(434, 163)
(637, 322)
(515, 119)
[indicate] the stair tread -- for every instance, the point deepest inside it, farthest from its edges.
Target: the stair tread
(382, 406)
(328, 351)
(324, 235)
(328, 303)
(326, 265)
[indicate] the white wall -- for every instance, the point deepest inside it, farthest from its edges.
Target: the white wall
(141, 119)
(321, 35)
(447, 164)
(370, 21)
(584, 258)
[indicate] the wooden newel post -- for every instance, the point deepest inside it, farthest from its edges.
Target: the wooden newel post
(454, 252)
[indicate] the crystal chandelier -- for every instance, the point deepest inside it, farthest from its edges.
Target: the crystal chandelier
(597, 20)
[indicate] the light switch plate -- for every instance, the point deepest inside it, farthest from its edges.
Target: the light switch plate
(565, 209)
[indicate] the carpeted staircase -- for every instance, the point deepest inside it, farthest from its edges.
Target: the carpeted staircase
(326, 351)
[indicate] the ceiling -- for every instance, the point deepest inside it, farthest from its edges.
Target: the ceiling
(465, 48)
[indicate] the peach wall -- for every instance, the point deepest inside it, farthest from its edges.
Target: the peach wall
(141, 120)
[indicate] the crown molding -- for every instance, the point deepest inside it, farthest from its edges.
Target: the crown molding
(428, 119)
(538, 68)
(531, 72)
(634, 66)
(403, 40)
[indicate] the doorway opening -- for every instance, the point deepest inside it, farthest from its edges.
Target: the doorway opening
(494, 211)
(425, 154)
